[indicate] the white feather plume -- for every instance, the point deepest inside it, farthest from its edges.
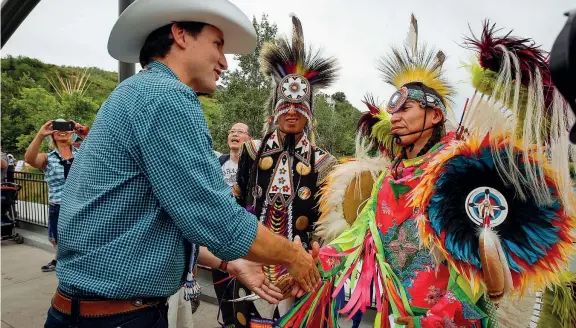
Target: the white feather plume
(412, 37)
(332, 222)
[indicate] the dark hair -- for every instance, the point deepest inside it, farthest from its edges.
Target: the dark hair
(159, 42)
(423, 87)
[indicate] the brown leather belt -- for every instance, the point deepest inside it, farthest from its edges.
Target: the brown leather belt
(102, 308)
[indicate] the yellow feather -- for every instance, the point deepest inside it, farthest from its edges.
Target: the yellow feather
(424, 75)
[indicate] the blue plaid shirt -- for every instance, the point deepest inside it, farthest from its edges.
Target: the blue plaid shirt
(54, 176)
(145, 181)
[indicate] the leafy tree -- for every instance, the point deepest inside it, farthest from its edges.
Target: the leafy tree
(35, 106)
(31, 95)
(211, 111)
(23, 110)
(245, 90)
(336, 122)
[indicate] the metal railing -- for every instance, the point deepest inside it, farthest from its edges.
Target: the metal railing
(32, 203)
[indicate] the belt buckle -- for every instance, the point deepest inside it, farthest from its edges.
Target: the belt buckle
(137, 302)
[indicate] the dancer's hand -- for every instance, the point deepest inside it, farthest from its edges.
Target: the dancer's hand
(251, 275)
(304, 269)
(406, 321)
(297, 290)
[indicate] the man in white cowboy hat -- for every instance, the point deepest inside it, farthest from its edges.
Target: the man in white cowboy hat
(131, 228)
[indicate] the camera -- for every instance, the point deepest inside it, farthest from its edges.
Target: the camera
(61, 125)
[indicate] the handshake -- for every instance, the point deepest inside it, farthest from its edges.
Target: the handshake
(302, 275)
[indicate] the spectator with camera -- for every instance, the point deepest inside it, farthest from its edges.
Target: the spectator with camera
(56, 165)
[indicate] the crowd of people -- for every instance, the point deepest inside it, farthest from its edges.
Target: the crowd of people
(446, 221)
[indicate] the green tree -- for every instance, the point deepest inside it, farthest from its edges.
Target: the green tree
(211, 110)
(244, 92)
(336, 121)
(19, 109)
(35, 106)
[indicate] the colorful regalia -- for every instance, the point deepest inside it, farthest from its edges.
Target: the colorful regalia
(485, 216)
(280, 176)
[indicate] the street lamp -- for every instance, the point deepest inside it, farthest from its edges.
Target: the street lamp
(125, 70)
(14, 12)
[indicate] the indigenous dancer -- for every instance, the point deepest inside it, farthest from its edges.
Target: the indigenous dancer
(279, 178)
(491, 201)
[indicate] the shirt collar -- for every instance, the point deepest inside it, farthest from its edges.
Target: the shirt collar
(156, 66)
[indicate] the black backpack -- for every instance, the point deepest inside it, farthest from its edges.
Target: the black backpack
(224, 158)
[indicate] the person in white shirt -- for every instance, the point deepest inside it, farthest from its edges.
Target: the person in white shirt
(238, 134)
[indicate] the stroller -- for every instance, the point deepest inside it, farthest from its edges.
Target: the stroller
(9, 197)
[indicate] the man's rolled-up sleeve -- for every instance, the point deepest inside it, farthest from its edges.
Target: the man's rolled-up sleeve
(177, 157)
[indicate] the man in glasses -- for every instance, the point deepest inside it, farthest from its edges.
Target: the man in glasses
(238, 134)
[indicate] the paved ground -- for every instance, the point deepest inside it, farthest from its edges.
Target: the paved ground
(26, 291)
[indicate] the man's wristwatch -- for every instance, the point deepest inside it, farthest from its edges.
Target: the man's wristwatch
(223, 266)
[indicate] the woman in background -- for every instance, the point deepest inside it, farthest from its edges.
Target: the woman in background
(56, 165)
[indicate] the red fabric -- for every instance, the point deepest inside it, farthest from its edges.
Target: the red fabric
(429, 287)
(448, 308)
(397, 210)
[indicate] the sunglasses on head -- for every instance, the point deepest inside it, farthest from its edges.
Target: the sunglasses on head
(400, 97)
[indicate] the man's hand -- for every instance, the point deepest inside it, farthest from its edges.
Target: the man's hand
(406, 321)
(251, 275)
(304, 269)
(236, 190)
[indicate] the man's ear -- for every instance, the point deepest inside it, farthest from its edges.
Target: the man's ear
(438, 115)
(179, 35)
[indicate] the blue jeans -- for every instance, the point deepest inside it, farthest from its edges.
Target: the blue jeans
(53, 213)
(151, 317)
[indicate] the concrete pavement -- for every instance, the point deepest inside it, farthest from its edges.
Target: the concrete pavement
(27, 291)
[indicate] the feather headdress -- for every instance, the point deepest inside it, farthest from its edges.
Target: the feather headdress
(297, 72)
(411, 63)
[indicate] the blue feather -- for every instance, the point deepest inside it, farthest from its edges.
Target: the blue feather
(546, 237)
(521, 252)
(511, 263)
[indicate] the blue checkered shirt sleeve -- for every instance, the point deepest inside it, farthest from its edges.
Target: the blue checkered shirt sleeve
(176, 151)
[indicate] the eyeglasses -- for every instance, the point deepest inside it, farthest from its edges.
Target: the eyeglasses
(237, 132)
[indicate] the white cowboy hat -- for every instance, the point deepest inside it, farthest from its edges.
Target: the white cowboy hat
(144, 16)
